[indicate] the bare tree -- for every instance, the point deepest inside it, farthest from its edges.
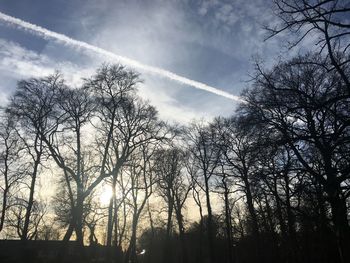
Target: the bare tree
(70, 151)
(17, 218)
(125, 123)
(174, 189)
(205, 157)
(33, 104)
(141, 172)
(93, 216)
(326, 18)
(315, 125)
(240, 157)
(11, 168)
(193, 173)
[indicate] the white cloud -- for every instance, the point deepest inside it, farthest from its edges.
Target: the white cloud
(18, 63)
(65, 40)
(168, 107)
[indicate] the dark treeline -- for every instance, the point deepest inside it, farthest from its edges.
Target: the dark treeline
(271, 183)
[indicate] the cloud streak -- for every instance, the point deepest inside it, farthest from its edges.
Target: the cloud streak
(61, 38)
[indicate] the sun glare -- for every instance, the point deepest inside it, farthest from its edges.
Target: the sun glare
(106, 195)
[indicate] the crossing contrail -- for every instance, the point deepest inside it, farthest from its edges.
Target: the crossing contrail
(61, 38)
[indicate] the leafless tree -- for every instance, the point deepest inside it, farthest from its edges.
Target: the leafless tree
(328, 19)
(125, 123)
(11, 168)
(140, 169)
(240, 158)
(33, 104)
(69, 149)
(205, 157)
(17, 216)
(315, 125)
(174, 189)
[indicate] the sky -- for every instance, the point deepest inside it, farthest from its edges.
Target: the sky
(210, 41)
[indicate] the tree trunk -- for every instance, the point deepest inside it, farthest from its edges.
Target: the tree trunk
(79, 217)
(31, 199)
(6, 190)
(201, 228)
(170, 214)
(339, 218)
(257, 249)
(111, 214)
(150, 253)
(251, 209)
(116, 222)
(71, 227)
(167, 249)
(180, 223)
(210, 221)
(290, 215)
(338, 208)
(279, 210)
(228, 222)
(130, 255)
(4, 207)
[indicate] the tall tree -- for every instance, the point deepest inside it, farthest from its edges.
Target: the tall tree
(205, 157)
(69, 149)
(33, 105)
(125, 123)
(314, 124)
(240, 155)
(174, 189)
(11, 168)
(141, 173)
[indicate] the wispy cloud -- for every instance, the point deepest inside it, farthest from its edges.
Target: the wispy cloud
(50, 35)
(19, 62)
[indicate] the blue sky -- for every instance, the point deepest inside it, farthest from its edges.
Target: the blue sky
(213, 42)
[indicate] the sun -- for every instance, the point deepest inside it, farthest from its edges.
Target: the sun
(106, 195)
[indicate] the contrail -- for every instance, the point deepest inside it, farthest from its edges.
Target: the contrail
(50, 35)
